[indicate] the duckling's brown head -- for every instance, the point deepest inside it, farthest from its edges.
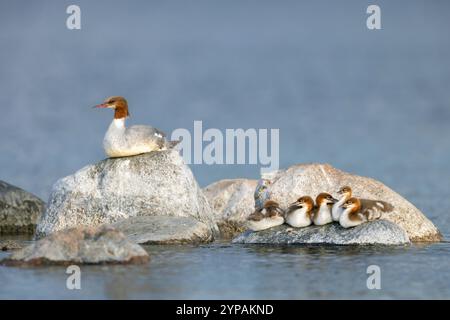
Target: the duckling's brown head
(325, 198)
(345, 191)
(353, 203)
(306, 201)
(272, 208)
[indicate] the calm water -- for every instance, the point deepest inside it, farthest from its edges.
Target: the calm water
(376, 103)
(223, 271)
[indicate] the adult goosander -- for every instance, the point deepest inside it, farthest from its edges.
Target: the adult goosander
(120, 141)
(358, 211)
(300, 213)
(337, 209)
(269, 216)
(322, 216)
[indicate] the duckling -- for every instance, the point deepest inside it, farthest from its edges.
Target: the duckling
(300, 213)
(269, 216)
(358, 211)
(322, 216)
(337, 209)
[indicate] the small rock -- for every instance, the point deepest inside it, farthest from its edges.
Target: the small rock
(376, 232)
(165, 230)
(152, 184)
(19, 210)
(233, 201)
(7, 245)
(82, 245)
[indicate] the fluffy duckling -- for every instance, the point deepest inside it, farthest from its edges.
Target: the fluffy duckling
(300, 213)
(324, 202)
(336, 211)
(269, 216)
(358, 211)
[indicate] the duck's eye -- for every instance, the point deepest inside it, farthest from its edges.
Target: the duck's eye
(329, 197)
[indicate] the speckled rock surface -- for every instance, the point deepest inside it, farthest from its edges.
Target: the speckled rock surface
(19, 210)
(82, 245)
(233, 201)
(152, 184)
(7, 245)
(311, 179)
(376, 232)
(165, 230)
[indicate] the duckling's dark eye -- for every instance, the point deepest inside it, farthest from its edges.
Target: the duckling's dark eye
(329, 197)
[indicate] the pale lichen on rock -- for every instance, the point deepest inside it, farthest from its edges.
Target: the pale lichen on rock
(152, 184)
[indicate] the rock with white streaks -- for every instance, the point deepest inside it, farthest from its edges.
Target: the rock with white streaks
(152, 184)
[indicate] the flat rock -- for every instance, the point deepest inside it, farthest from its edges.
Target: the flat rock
(152, 184)
(82, 245)
(19, 210)
(8, 245)
(165, 230)
(233, 201)
(377, 232)
(311, 179)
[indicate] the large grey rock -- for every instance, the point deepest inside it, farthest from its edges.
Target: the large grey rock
(165, 230)
(233, 201)
(19, 210)
(376, 232)
(152, 184)
(311, 179)
(82, 245)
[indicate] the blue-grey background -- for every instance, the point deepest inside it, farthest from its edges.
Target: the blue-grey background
(375, 103)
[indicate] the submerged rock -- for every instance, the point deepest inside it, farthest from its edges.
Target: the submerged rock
(311, 179)
(165, 230)
(152, 184)
(233, 201)
(82, 245)
(376, 232)
(19, 210)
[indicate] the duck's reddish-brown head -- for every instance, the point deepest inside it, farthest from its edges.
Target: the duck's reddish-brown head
(119, 104)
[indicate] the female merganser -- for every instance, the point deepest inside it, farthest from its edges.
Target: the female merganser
(269, 216)
(358, 211)
(337, 209)
(120, 141)
(322, 216)
(299, 214)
